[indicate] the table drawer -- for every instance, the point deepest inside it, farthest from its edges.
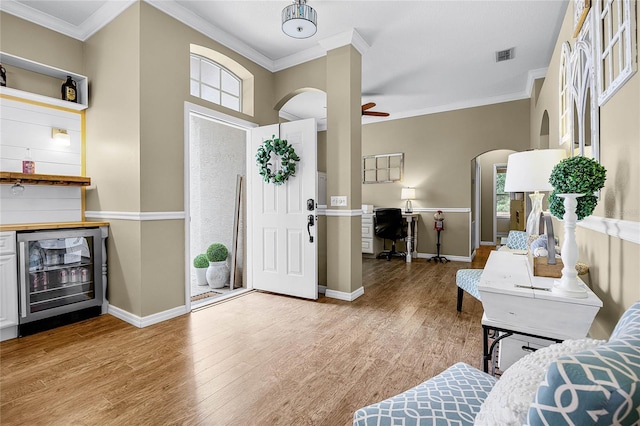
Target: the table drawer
(515, 347)
(367, 245)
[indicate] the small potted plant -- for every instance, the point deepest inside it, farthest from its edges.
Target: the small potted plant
(576, 175)
(201, 263)
(218, 271)
(575, 182)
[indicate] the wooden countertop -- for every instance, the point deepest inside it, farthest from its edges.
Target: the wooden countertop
(39, 179)
(55, 225)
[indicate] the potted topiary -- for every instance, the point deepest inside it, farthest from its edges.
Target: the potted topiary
(218, 271)
(201, 263)
(576, 175)
(575, 182)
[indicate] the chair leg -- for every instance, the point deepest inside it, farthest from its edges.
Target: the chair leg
(460, 295)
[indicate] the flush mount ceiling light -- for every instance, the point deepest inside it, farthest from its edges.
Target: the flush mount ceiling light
(299, 20)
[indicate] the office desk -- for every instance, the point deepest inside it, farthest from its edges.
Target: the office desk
(370, 241)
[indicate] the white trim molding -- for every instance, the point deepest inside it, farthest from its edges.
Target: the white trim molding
(624, 229)
(442, 209)
(142, 322)
(139, 216)
(341, 295)
(334, 212)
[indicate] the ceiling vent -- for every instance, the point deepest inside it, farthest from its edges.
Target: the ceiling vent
(505, 55)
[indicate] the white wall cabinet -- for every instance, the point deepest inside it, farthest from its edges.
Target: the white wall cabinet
(8, 286)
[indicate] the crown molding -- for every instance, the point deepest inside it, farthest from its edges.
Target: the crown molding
(107, 13)
(472, 103)
(351, 37)
(190, 19)
(534, 75)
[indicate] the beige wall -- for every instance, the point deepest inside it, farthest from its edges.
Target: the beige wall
(138, 66)
(438, 149)
(288, 82)
(22, 38)
(613, 263)
(113, 149)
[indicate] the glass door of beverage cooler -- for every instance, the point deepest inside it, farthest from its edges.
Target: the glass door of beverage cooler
(60, 272)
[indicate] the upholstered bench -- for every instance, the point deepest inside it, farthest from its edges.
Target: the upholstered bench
(467, 280)
(577, 382)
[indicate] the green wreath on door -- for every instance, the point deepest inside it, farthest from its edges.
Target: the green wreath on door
(288, 160)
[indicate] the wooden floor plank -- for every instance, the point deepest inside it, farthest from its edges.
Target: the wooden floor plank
(259, 359)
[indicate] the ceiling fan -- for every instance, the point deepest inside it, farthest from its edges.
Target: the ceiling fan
(366, 107)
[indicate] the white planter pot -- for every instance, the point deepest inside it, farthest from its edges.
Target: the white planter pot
(201, 276)
(218, 274)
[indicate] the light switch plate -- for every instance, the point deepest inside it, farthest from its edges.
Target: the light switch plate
(338, 201)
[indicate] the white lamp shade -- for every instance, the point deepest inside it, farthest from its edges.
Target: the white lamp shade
(529, 171)
(408, 194)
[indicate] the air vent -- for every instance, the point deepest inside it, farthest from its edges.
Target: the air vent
(505, 55)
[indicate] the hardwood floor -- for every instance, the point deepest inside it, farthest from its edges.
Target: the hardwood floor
(259, 359)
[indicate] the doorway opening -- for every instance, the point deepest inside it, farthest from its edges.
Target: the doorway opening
(501, 203)
(490, 223)
(215, 167)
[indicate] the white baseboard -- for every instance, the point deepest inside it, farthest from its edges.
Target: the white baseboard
(487, 243)
(9, 333)
(341, 295)
(322, 289)
(448, 256)
(142, 322)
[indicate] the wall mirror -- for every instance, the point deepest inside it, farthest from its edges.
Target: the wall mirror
(615, 45)
(383, 168)
(585, 112)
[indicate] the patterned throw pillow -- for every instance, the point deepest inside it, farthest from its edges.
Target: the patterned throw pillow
(599, 386)
(517, 240)
(509, 401)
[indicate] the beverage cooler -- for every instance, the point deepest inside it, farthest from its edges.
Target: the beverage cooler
(60, 277)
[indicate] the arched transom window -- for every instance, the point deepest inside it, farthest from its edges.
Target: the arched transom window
(214, 83)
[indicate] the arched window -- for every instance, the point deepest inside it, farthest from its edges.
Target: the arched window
(214, 83)
(218, 78)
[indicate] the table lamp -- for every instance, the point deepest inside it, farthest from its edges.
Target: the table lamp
(529, 171)
(408, 194)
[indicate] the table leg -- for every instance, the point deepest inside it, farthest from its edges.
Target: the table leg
(485, 349)
(409, 241)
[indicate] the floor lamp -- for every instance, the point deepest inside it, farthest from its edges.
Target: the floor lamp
(529, 171)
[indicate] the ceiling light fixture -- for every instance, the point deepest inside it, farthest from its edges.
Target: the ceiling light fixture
(299, 20)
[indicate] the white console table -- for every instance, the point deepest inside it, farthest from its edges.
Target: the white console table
(516, 302)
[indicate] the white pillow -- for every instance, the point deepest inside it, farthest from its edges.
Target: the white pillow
(508, 402)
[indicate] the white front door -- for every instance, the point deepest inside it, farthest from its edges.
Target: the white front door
(283, 248)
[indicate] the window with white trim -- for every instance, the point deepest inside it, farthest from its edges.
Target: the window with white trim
(214, 83)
